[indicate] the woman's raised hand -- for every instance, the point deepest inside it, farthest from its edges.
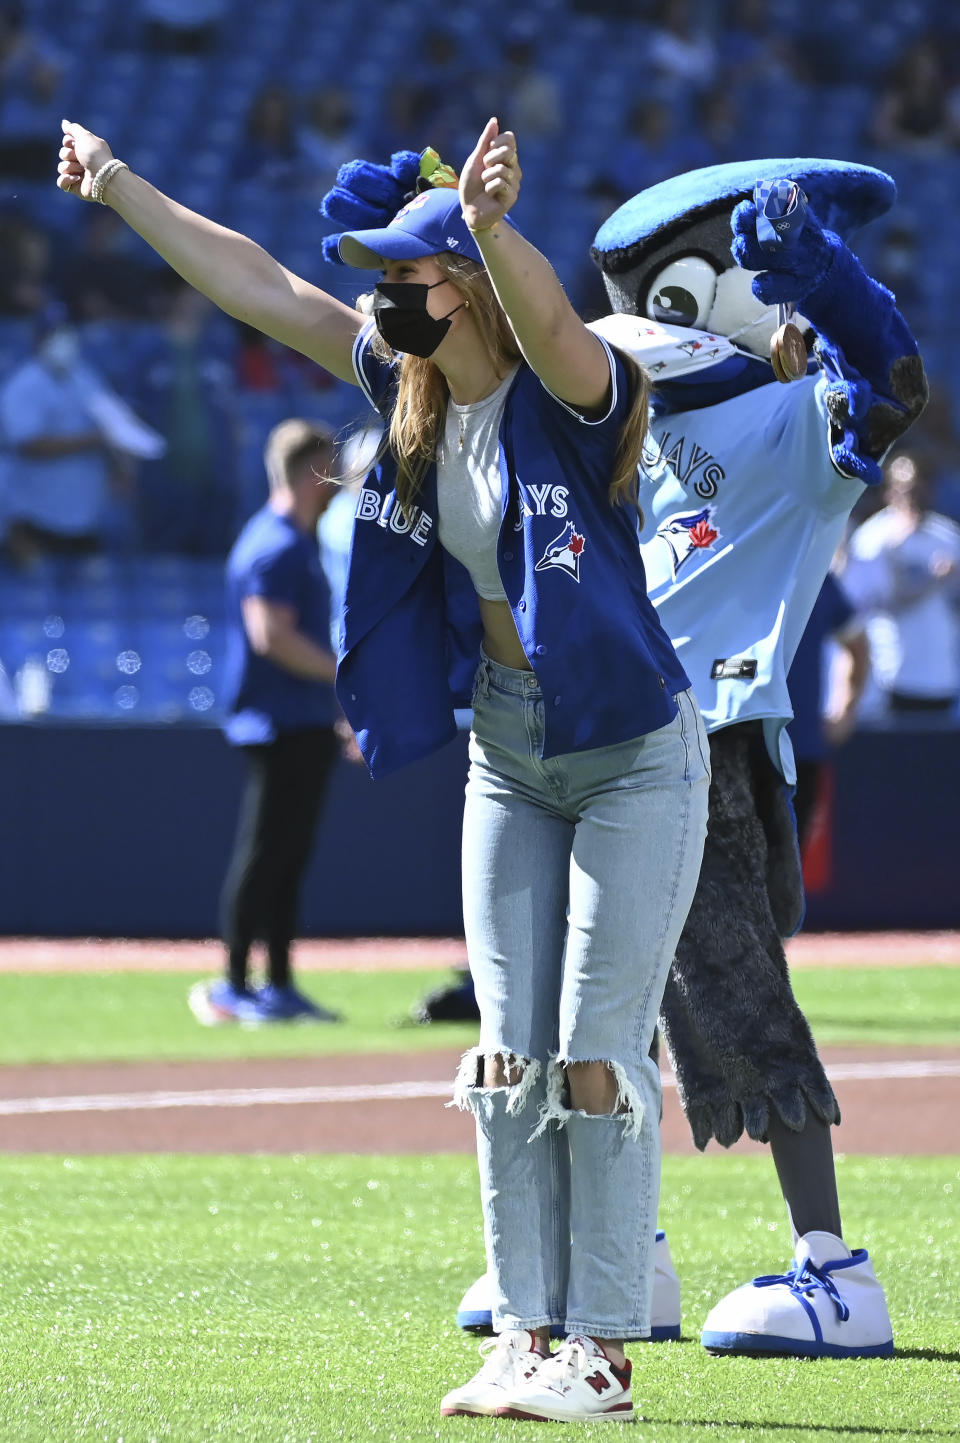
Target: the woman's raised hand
(490, 180)
(81, 156)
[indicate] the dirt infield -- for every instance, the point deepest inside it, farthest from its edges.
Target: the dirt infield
(374, 954)
(894, 1100)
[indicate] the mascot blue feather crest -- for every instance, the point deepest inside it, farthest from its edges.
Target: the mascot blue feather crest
(366, 195)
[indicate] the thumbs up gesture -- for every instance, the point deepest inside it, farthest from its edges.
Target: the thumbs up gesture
(81, 155)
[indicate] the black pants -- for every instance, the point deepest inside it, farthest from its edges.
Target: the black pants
(275, 830)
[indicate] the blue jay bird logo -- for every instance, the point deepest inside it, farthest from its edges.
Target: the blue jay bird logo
(688, 533)
(564, 551)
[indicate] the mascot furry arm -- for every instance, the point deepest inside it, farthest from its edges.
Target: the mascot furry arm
(877, 386)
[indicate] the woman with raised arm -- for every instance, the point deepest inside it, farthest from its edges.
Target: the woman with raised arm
(496, 540)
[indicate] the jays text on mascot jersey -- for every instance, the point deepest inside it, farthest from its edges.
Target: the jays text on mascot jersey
(748, 486)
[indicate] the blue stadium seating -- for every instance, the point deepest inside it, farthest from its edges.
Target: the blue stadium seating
(181, 120)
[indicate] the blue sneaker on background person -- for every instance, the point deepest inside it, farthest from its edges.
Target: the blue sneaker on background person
(213, 1003)
(286, 1004)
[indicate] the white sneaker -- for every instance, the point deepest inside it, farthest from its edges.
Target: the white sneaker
(577, 1384)
(475, 1314)
(829, 1305)
(509, 1359)
(665, 1307)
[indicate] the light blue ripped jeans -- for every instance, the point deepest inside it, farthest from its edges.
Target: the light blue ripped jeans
(578, 873)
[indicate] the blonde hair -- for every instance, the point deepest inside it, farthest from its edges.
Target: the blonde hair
(290, 444)
(420, 412)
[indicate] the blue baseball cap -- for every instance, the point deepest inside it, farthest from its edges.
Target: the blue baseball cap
(429, 223)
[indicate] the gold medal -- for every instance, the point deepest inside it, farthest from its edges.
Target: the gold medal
(788, 353)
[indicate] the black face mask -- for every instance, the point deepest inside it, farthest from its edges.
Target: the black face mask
(400, 315)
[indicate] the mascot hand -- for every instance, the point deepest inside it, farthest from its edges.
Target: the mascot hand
(795, 269)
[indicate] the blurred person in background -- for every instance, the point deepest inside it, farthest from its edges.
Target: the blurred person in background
(335, 527)
(653, 145)
(327, 136)
(24, 274)
(182, 382)
(30, 74)
(65, 478)
(680, 51)
(108, 274)
(937, 449)
(913, 110)
(833, 649)
(280, 709)
(520, 87)
(270, 153)
(903, 575)
(182, 27)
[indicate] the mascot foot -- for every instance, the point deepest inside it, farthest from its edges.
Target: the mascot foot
(829, 1305)
(475, 1316)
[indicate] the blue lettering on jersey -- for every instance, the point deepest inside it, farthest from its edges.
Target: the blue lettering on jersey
(685, 467)
(564, 551)
(688, 533)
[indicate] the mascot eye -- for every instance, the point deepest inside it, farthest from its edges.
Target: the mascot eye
(682, 294)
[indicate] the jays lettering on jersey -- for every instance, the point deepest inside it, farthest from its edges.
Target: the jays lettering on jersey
(570, 568)
(748, 488)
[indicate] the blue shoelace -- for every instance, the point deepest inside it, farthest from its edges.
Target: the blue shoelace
(804, 1278)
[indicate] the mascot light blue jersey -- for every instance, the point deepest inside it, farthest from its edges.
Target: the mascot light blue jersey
(746, 478)
(754, 460)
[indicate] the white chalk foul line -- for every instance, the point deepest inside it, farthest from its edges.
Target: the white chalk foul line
(378, 1092)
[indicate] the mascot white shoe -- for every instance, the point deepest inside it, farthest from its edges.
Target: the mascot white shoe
(828, 1305)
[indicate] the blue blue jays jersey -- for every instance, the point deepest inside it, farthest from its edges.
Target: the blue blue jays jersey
(569, 565)
(743, 511)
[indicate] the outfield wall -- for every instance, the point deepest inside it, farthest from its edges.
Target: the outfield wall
(125, 831)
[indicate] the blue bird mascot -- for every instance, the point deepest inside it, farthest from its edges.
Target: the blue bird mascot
(784, 374)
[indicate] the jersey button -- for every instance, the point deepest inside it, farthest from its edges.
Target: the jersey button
(663, 684)
(508, 556)
(541, 651)
(557, 700)
(522, 605)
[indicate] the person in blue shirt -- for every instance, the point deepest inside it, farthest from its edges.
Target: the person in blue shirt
(495, 559)
(280, 713)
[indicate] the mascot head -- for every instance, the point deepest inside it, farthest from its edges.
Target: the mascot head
(666, 253)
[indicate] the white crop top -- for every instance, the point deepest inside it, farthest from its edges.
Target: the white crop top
(469, 501)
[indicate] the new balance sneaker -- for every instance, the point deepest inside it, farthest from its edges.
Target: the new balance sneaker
(508, 1360)
(286, 1004)
(474, 1314)
(828, 1305)
(213, 1003)
(577, 1384)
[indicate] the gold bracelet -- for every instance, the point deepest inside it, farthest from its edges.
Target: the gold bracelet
(104, 176)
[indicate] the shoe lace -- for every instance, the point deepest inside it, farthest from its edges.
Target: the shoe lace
(500, 1356)
(805, 1278)
(570, 1358)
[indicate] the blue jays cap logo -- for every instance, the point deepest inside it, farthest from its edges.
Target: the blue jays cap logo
(688, 533)
(564, 551)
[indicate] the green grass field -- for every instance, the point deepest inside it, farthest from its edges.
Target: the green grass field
(300, 1300)
(75, 1017)
(170, 1299)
